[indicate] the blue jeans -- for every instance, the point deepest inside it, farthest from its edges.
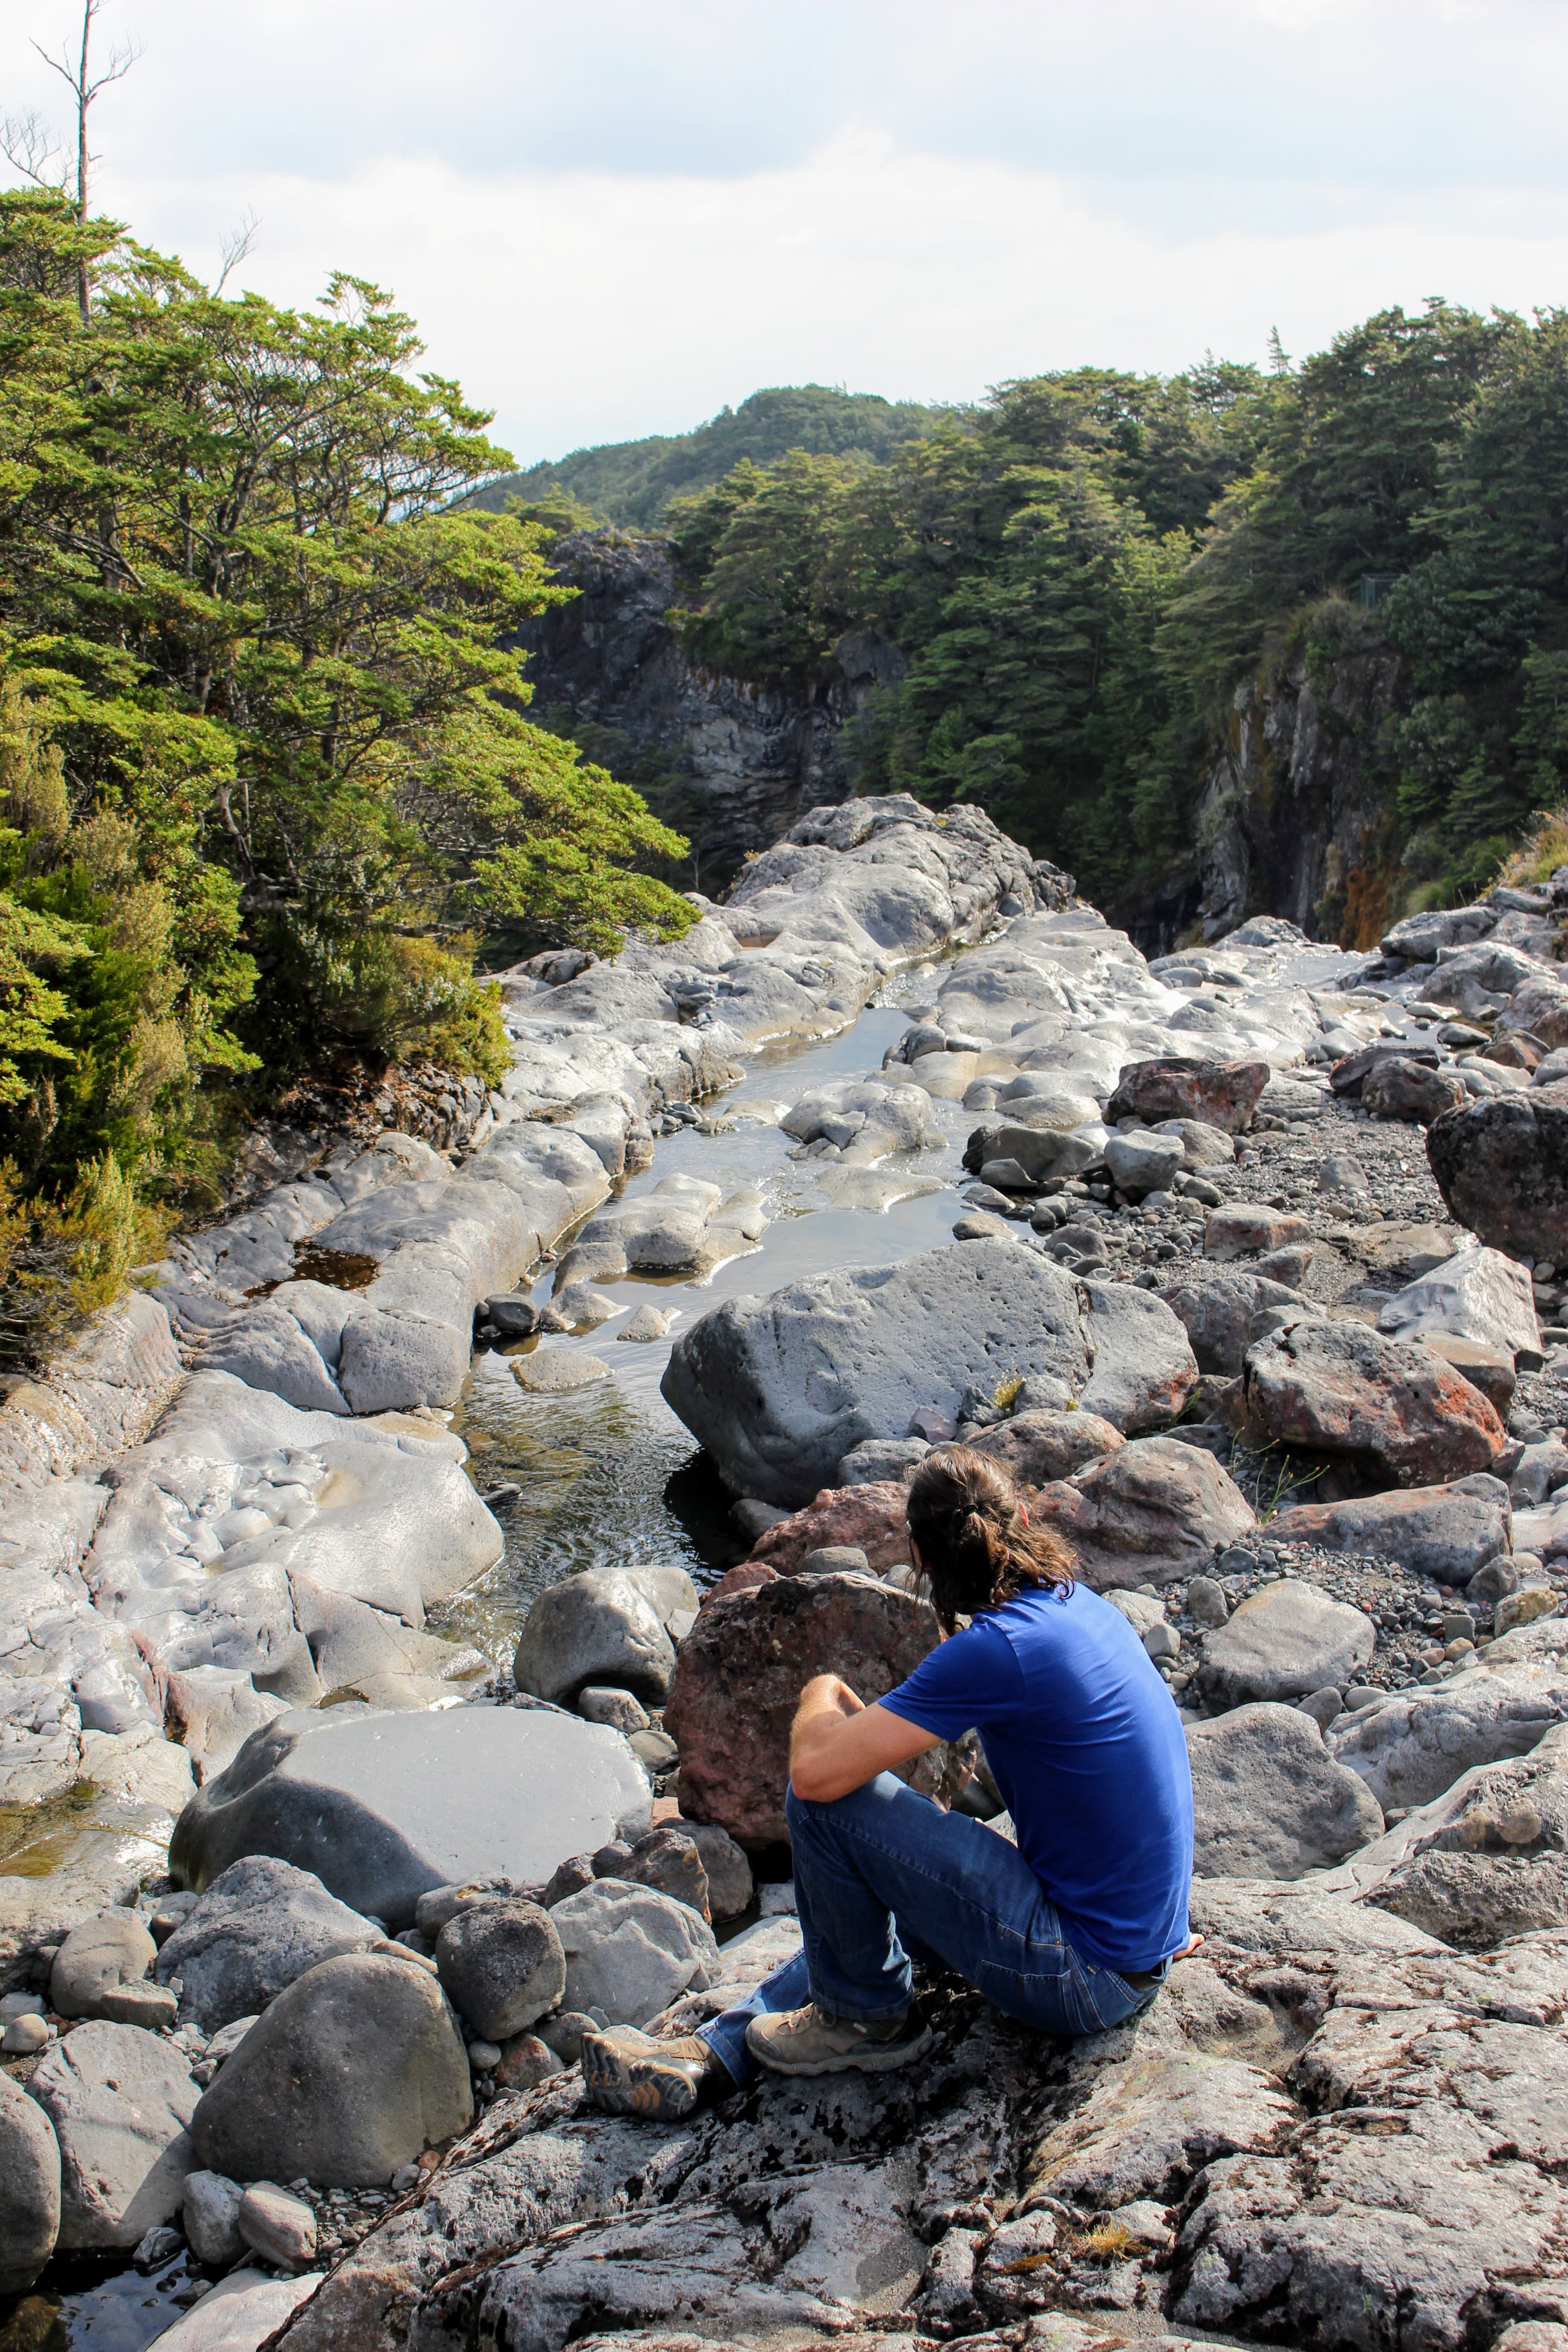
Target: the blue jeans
(883, 1878)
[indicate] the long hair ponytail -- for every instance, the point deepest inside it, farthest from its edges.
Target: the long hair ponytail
(977, 1548)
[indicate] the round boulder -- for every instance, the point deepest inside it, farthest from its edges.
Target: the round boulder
(593, 1629)
(1501, 1166)
(96, 1959)
(501, 1964)
(354, 2071)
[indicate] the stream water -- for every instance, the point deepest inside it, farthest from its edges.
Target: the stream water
(609, 1476)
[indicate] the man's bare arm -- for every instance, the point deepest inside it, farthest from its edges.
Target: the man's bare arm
(838, 1744)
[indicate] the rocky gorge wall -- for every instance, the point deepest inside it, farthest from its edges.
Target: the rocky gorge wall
(1293, 817)
(743, 764)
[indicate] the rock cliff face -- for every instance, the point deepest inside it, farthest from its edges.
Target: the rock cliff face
(1294, 819)
(745, 764)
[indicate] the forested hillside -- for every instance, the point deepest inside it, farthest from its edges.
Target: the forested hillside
(633, 482)
(265, 785)
(1080, 572)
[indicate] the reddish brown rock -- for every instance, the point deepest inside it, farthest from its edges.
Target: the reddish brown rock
(1221, 1094)
(1502, 1165)
(1395, 1408)
(1402, 1088)
(1036, 1447)
(1247, 1232)
(741, 1670)
(525, 2060)
(1150, 1513)
(745, 1577)
(871, 1516)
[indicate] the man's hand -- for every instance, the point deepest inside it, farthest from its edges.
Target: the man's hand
(837, 1743)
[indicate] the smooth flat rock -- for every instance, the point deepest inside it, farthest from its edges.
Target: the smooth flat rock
(242, 2310)
(555, 1372)
(355, 2070)
(1283, 1643)
(120, 2100)
(29, 2189)
(780, 1389)
(1446, 1532)
(260, 1924)
(381, 1805)
(1270, 1800)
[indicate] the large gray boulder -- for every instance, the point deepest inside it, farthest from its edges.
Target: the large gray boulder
(630, 1951)
(260, 1924)
(381, 1805)
(356, 2069)
(500, 1963)
(780, 1389)
(1283, 1643)
(120, 2100)
(1445, 1532)
(29, 2189)
(594, 1628)
(1268, 1799)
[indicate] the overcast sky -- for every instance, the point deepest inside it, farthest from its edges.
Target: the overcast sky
(613, 217)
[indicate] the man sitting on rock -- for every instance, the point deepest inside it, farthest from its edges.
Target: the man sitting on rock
(1070, 1930)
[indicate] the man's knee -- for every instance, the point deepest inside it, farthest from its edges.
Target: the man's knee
(863, 1805)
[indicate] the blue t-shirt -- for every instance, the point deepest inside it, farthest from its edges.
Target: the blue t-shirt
(1087, 1749)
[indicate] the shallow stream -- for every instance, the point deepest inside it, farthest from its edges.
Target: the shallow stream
(609, 1476)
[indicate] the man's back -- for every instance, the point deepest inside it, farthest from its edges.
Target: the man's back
(1088, 1752)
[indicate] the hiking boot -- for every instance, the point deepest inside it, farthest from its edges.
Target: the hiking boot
(629, 2074)
(812, 2041)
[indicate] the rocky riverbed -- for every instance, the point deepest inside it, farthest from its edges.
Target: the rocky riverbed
(1249, 1264)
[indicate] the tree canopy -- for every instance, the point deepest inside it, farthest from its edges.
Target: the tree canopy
(1081, 569)
(267, 780)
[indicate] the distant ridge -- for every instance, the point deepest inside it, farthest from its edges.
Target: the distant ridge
(632, 482)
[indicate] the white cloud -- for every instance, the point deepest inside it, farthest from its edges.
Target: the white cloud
(612, 219)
